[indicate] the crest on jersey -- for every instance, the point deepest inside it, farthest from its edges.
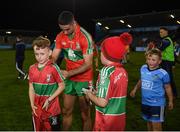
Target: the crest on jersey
(78, 46)
(48, 77)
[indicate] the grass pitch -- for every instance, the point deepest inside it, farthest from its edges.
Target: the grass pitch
(15, 111)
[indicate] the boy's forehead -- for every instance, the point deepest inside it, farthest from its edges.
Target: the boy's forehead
(40, 48)
(153, 55)
(37, 48)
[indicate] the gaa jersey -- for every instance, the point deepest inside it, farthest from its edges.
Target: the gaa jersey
(74, 49)
(45, 83)
(152, 86)
(112, 86)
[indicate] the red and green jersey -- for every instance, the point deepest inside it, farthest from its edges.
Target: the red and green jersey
(74, 49)
(45, 83)
(112, 86)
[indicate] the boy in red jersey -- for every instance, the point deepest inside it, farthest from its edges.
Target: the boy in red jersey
(45, 84)
(110, 99)
(77, 46)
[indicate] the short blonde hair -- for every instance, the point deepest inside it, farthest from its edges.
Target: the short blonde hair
(154, 51)
(41, 42)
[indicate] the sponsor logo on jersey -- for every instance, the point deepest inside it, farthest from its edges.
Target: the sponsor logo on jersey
(147, 84)
(117, 77)
(78, 46)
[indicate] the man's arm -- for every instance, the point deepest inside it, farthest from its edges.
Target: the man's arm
(165, 43)
(87, 65)
(55, 54)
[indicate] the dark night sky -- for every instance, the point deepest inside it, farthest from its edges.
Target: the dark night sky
(42, 14)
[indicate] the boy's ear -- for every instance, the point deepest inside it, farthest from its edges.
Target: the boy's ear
(50, 52)
(160, 61)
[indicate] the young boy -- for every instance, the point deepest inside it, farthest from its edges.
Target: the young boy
(110, 99)
(154, 84)
(45, 84)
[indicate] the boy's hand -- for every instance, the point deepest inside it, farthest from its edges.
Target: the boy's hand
(46, 104)
(34, 109)
(84, 90)
(87, 92)
(97, 70)
(133, 93)
(170, 105)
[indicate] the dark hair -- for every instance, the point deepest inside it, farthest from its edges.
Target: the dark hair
(65, 18)
(41, 42)
(164, 28)
(19, 38)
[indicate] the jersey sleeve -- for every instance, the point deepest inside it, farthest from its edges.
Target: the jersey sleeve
(166, 79)
(87, 44)
(57, 74)
(58, 41)
(104, 83)
(30, 74)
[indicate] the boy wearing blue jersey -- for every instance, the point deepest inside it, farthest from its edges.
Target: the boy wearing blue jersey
(154, 84)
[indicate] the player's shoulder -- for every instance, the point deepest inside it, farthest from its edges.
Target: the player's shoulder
(85, 34)
(32, 66)
(55, 66)
(106, 70)
(145, 66)
(164, 72)
(59, 35)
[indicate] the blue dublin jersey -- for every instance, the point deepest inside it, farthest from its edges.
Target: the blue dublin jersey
(152, 86)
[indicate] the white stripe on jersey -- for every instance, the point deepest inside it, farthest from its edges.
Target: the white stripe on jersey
(104, 74)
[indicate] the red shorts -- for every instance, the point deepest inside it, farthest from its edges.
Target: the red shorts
(50, 124)
(109, 122)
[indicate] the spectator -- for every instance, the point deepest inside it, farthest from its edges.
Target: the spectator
(20, 56)
(176, 52)
(167, 49)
